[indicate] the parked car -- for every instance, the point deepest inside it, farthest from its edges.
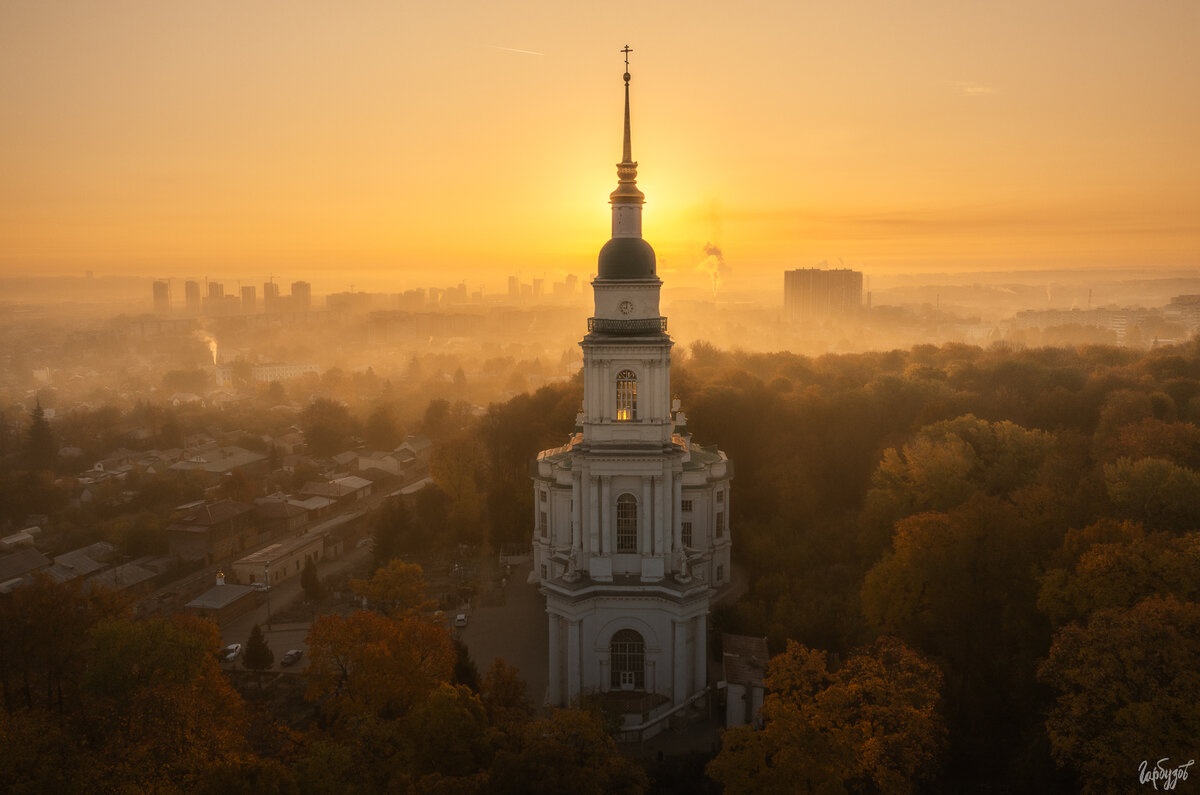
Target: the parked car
(460, 620)
(261, 586)
(292, 656)
(231, 652)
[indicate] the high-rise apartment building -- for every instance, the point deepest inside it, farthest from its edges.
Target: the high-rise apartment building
(162, 296)
(191, 297)
(301, 296)
(815, 294)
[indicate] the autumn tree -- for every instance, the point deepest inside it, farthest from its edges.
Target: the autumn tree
(450, 744)
(368, 664)
(1156, 492)
(456, 467)
(948, 462)
(162, 708)
(397, 589)
(1122, 574)
(505, 695)
(873, 722)
(962, 586)
(567, 752)
(44, 626)
(1127, 684)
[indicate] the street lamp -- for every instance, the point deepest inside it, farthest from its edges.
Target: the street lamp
(267, 570)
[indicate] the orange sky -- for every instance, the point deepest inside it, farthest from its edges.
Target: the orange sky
(396, 144)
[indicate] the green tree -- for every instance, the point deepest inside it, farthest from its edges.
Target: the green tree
(39, 447)
(393, 531)
(382, 431)
(309, 580)
(327, 426)
(258, 655)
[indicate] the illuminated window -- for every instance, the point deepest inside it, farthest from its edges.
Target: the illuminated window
(627, 523)
(627, 656)
(687, 534)
(626, 395)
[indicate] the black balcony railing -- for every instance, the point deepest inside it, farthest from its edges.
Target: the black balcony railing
(628, 326)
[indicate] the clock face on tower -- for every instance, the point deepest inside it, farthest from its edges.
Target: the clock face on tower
(626, 307)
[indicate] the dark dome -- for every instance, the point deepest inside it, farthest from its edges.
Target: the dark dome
(626, 258)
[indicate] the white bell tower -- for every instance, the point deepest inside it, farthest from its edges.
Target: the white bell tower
(631, 518)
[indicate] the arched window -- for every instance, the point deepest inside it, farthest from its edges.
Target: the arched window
(627, 529)
(626, 395)
(627, 657)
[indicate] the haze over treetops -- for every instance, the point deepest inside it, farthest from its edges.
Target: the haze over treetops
(389, 144)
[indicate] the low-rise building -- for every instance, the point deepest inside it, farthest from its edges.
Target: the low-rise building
(280, 561)
(744, 664)
(211, 532)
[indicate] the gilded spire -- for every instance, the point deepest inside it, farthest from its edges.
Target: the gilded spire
(627, 191)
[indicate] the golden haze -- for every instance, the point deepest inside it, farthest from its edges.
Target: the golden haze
(394, 146)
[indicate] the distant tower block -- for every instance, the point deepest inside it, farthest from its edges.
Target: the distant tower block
(270, 297)
(191, 297)
(248, 300)
(816, 294)
(631, 518)
(162, 297)
(301, 296)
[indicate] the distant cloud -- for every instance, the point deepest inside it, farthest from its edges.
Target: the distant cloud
(972, 89)
(510, 49)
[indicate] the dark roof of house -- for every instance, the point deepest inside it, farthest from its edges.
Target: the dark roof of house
(744, 659)
(219, 596)
(20, 563)
(214, 512)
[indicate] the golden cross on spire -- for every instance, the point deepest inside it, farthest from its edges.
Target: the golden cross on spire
(626, 51)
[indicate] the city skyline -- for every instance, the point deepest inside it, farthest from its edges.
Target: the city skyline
(385, 146)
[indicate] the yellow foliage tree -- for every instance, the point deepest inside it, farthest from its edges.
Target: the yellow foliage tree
(397, 589)
(873, 722)
(368, 664)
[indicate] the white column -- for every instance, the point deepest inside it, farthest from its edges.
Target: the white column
(577, 511)
(606, 512)
(594, 512)
(700, 679)
(554, 694)
(660, 497)
(644, 517)
(574, 672)
(679, 662)
(677, 525)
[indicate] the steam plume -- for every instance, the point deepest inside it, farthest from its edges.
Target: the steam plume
(714, 264)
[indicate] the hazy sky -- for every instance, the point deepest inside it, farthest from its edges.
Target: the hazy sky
(395, 144)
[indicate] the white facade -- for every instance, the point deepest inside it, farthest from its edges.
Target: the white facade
(631, 519)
